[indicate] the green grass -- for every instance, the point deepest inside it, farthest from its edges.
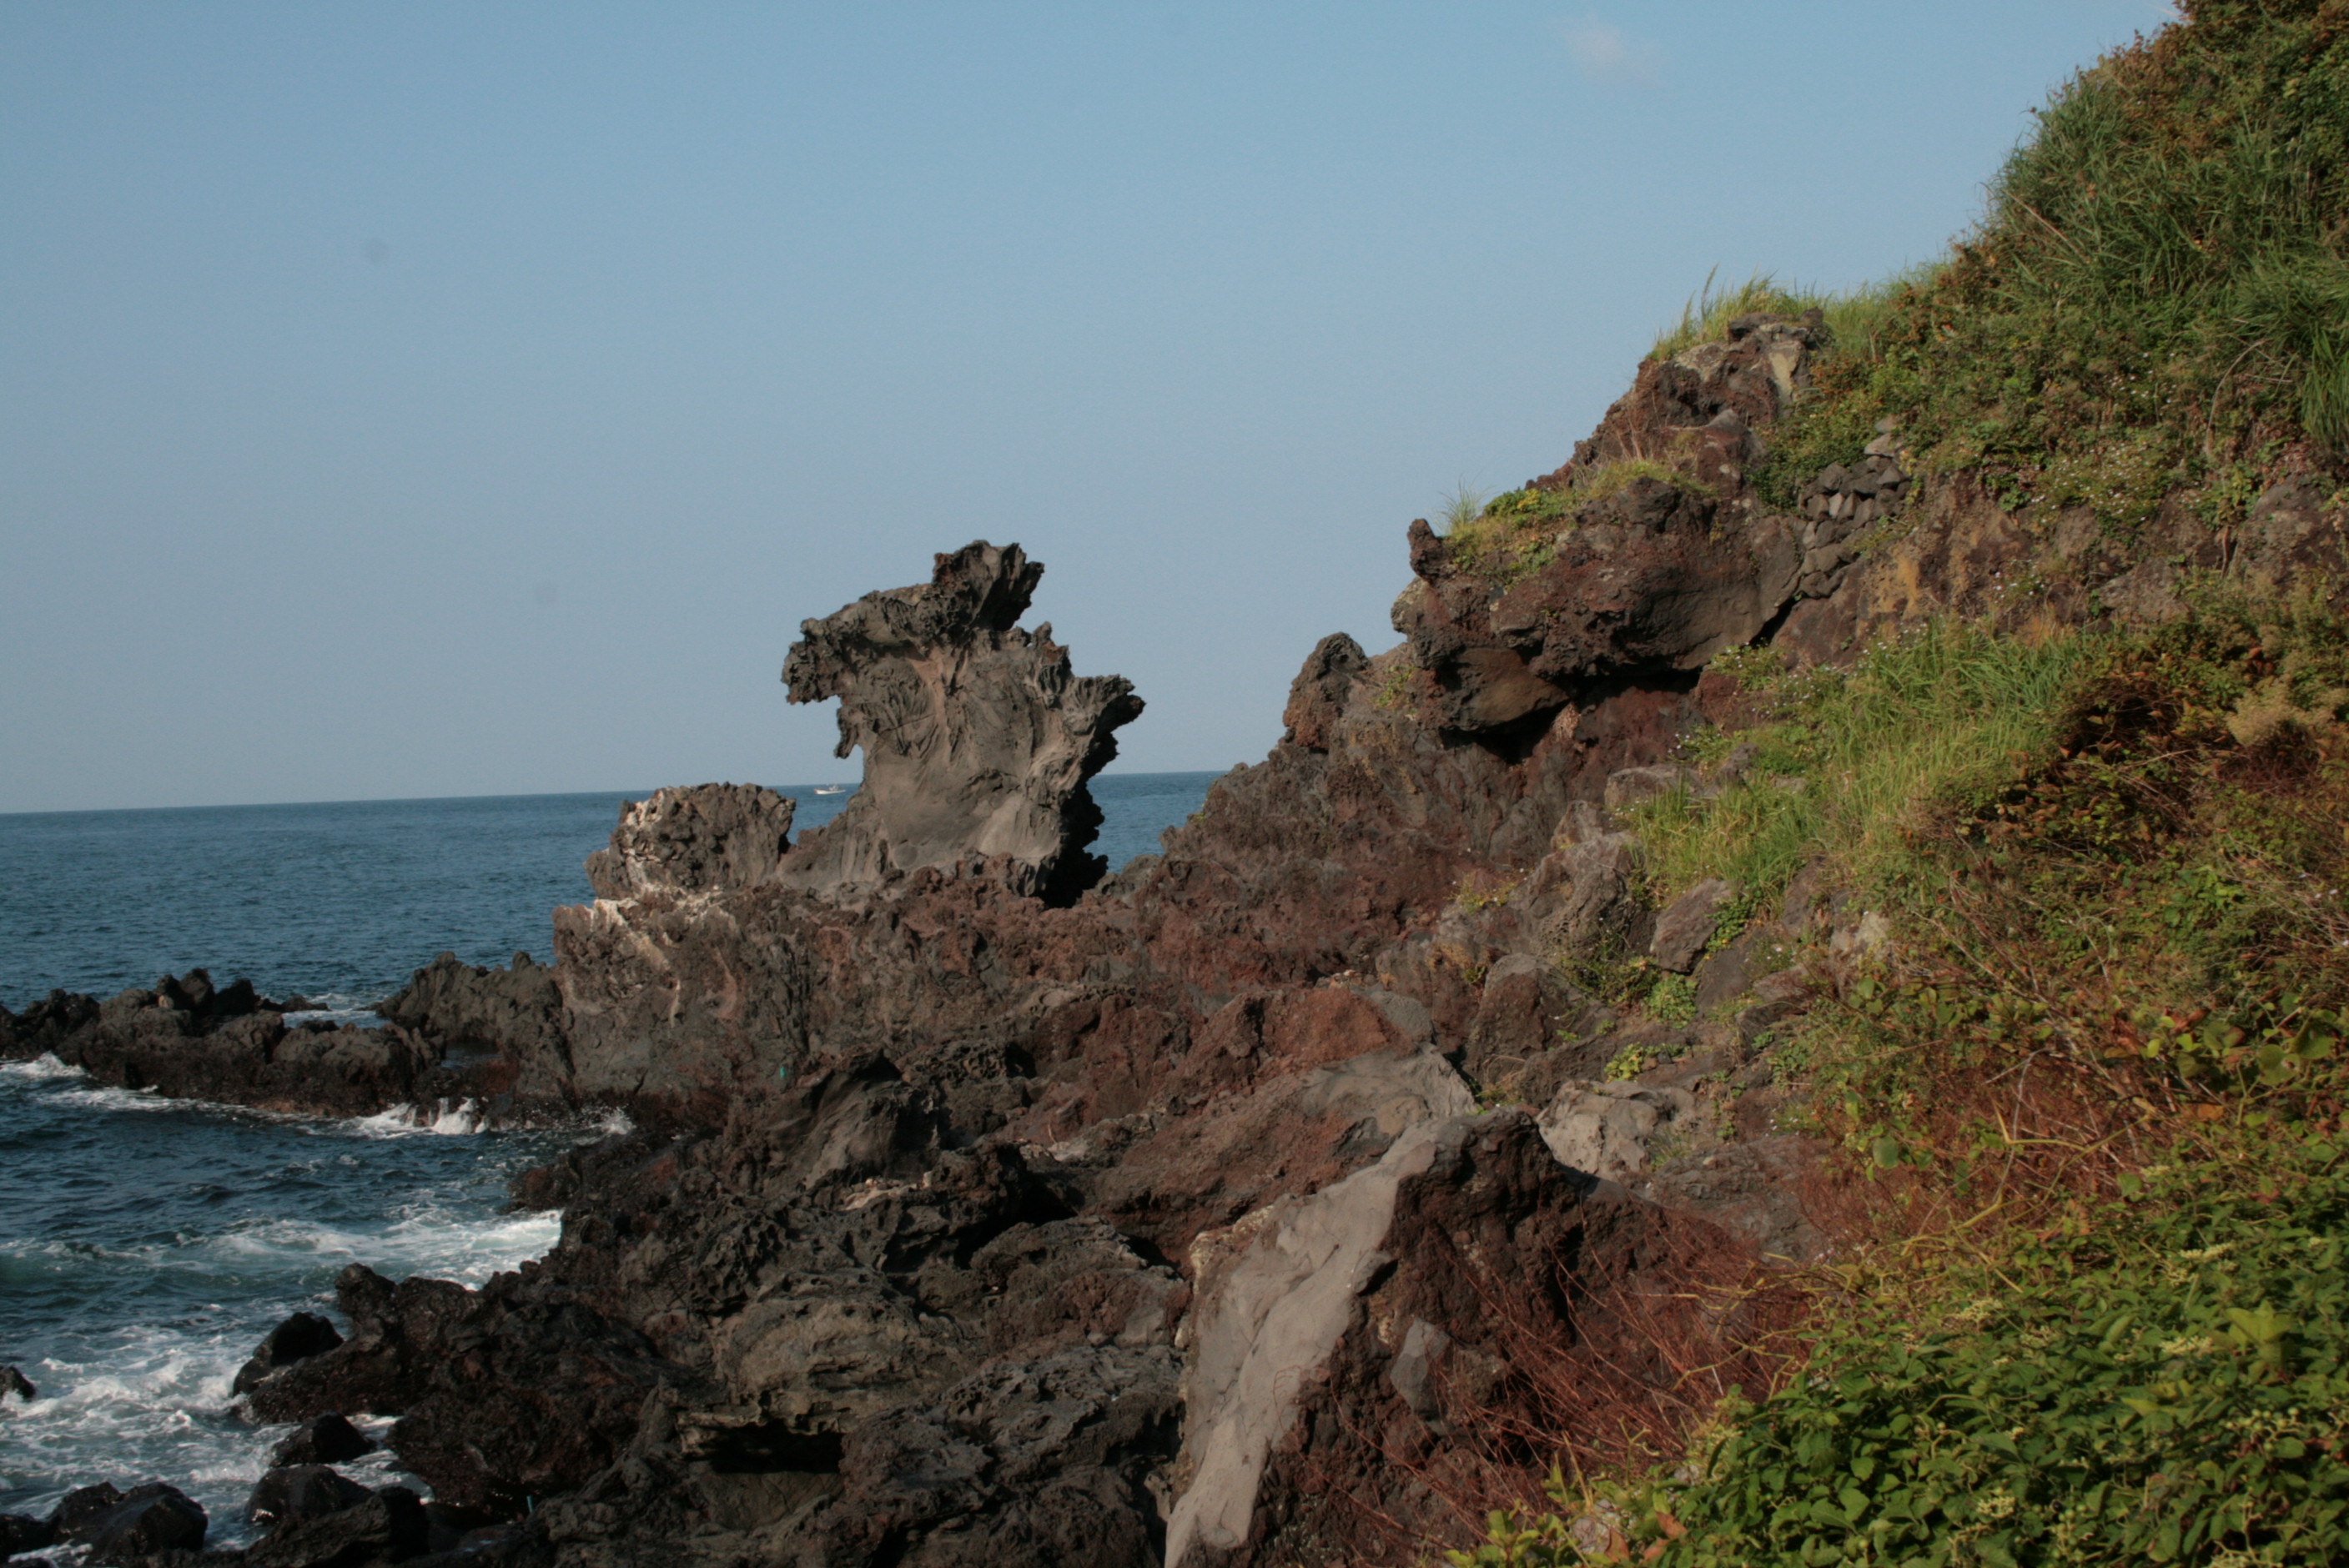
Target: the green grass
(1853, 318)
(2157, 292)
(1855, 758)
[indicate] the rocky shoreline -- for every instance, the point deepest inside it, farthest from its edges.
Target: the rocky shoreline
(984, 1207)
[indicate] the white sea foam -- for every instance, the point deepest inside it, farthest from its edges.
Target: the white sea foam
(366, 1018)
(120, 1099)
(151, 1400)
(41, 1067)
(461, 1119)
(427, 1240)
(155, 1407)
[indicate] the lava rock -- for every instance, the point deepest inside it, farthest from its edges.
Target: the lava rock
(977, 741)
(299, 1337)
(1683, 931)
(386, 1526)
(301, 1492)
(327, 1440)
(15, 1382)
(23, 1533)
(78, 1507)
(701, 839)
(147, 1519)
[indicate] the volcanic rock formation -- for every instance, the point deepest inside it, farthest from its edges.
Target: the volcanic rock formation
(977, 741)
(982, 1212)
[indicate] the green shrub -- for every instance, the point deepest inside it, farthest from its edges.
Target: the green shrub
(2164, 1377)
(1507, 538)
(2165, 1381)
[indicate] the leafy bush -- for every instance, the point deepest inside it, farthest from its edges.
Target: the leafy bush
(2163, 1381)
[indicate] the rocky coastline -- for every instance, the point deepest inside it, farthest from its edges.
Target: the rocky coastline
(988, 1205)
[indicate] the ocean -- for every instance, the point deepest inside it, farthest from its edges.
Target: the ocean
(147, 1244)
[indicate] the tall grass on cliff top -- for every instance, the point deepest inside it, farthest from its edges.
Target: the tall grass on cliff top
(2159, 290)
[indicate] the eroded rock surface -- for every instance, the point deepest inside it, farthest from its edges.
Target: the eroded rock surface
(978, 740)
(982, 1213)
(708, 839)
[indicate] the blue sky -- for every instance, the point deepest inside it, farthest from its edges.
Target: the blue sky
(437, 399)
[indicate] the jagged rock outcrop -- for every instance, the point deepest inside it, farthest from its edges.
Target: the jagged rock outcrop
(190, 1040)
(1342, 1338)
(709, 839)
(503, 1026)
(504, 1394)
(1642, 582)
(977, 741)
(1657, 556)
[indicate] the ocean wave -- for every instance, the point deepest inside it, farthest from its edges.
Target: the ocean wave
(427, 1240)
(157, 1406)
(461, 1120)
(40, 1069)
(343, 1011)
(121, 1099)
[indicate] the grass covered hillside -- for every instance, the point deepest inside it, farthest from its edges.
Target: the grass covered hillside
(2155, 301)
(2084, 1087)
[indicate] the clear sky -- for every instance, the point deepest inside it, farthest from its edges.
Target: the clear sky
(424, 399)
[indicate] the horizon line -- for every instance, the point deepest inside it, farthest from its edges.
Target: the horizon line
(508, 795)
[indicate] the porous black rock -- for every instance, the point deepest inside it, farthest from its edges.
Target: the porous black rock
(326, 1440)
(301, 1492)
(386, 1526)
(78, 1507)
(147, 1519)
(299, 1337)
(23, 1533)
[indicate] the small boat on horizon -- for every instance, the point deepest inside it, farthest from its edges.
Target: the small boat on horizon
(832, 788)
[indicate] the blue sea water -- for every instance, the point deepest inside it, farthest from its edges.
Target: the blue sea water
(147, 1244)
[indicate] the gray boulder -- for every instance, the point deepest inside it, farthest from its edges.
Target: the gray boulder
(1684, 930)
(1608, 1129)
